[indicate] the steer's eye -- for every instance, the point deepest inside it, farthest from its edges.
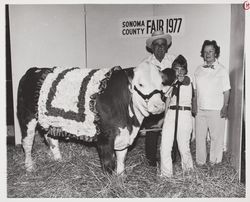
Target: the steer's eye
(140, 85)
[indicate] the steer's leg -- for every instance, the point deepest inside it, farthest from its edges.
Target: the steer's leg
(54, 147)
(105, 146)
(27, 143)
(120, 155)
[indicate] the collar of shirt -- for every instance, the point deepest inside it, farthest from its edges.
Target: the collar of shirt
(165, 63)
(211, 66)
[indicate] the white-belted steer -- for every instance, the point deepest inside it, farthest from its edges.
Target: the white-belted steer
(102, 105)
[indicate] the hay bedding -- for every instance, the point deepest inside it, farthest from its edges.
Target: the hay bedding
(80, 176)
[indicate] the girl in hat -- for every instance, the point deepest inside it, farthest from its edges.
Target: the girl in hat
(178, 123)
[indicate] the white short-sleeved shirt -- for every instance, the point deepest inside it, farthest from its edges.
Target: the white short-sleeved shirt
(210, 84)
(165, 63)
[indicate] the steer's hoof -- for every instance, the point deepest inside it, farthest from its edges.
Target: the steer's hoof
(54, 156)
(29, 167)
(121, 177)
(58, 158)
(121, 174)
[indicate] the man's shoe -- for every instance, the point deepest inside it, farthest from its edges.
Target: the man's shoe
(152, 163)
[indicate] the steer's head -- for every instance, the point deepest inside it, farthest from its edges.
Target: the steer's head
(147, 88)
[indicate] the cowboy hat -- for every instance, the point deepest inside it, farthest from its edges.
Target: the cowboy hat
(158, 35)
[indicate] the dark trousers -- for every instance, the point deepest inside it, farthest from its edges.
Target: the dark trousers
(152, 137)
(151, 147)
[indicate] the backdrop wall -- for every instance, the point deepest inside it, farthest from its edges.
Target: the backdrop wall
(54, 35)
(105, 47)
(236, 80)
(44, 36)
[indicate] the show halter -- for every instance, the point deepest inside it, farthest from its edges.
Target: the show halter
(148, 96)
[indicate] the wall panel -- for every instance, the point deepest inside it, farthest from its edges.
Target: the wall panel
(236, 79)
(44, 36)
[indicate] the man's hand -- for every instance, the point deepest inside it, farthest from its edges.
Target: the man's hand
(159, 124)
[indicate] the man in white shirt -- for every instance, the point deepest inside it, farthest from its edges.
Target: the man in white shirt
(158, 44)
(212, 90)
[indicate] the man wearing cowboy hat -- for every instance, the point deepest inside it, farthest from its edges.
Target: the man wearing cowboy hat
(158, 44)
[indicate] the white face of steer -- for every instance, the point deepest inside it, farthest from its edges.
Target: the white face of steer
(146, 88)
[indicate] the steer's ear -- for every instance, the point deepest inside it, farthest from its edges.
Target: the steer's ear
(130, 74)
(168, 76)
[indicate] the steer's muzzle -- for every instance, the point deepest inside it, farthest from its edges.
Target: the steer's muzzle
(156, 105)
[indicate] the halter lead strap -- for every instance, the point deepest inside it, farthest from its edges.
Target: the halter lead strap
(175, 144)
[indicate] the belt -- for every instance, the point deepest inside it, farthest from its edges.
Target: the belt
(180, 108)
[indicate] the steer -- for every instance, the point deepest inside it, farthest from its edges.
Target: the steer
(106, 106)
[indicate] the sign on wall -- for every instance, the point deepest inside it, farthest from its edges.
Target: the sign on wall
(143, 27)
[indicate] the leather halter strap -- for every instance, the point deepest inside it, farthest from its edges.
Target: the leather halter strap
(148, 96)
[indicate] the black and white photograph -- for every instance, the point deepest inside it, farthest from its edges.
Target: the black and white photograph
(124, 100)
